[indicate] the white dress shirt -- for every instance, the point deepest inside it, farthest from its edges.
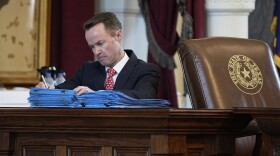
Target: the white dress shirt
(118, 67)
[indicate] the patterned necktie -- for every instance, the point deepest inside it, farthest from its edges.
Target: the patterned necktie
(109, 85)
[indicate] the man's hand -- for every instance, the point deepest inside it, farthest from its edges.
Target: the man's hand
(42, 85)
(82, 89)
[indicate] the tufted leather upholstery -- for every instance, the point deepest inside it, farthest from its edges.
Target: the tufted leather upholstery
(225, 72)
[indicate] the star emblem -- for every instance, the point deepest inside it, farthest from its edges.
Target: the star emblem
(246, 73)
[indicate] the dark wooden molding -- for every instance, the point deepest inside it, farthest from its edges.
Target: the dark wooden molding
(43, 131)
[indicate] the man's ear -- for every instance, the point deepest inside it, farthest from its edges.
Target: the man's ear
(119, 34)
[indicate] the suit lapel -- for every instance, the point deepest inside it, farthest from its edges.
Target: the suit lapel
(126, 71)
(123, 76)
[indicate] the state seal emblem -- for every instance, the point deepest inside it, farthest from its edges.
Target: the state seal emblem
(245, 74)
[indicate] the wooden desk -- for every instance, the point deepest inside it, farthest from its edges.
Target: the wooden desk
(118, 132)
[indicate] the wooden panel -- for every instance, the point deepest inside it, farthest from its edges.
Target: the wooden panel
(132, 151)
(118, 132)
(195, 152)
(84, 151)
(81, 144)
(60, 151)
(6, 143)
(196, 145)
(38, 150)
(169, 144)
(107, 151)
(220, 144)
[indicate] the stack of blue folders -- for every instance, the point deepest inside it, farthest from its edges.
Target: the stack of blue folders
(114, 99)
(99, 99)
(39, 97)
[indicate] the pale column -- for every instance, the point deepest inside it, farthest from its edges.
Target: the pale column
(134, 29)
(228, 17)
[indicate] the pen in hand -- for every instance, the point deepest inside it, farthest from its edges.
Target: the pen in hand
(43, 78)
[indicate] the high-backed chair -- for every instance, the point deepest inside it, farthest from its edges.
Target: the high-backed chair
(225, 72)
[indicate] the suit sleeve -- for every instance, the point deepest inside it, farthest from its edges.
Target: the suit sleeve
(146, 83)
(74, 82)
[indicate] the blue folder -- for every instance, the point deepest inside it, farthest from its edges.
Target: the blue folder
(100, 99)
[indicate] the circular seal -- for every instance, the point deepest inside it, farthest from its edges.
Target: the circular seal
(245, 74)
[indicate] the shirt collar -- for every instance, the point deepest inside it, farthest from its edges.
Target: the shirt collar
(119, 66)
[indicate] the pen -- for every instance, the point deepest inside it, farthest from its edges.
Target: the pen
(43, 78)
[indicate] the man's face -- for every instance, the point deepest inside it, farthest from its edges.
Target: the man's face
(106, 48)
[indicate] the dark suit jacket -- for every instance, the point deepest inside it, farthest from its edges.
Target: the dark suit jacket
(137, 79)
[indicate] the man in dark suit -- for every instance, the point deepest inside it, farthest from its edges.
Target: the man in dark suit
(130, 75)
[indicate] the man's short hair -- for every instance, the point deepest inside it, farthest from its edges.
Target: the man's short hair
(109, 19)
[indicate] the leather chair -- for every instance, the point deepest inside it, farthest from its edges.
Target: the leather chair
(226, 72)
